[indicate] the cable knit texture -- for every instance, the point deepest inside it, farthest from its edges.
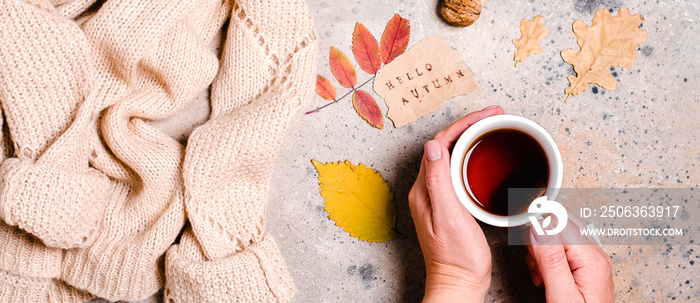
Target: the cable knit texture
(93, 198)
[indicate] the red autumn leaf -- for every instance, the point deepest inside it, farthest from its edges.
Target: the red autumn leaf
(342, 68)
(367, 108)
(395, 38)
(325, 89)
(365, 49)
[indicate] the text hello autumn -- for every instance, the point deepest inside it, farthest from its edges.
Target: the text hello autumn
(425, 89)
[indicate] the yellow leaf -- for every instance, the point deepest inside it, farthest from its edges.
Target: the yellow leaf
(610, 41)
(531, 33)
(358, 200)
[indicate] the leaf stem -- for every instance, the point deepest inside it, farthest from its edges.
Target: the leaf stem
(338, 99)
(567, 97)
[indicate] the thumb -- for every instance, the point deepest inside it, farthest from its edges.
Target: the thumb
(553, 266)
(438, 180)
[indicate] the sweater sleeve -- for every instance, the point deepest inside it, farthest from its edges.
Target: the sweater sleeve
(47, 187)
(257, 274)
(266, 77)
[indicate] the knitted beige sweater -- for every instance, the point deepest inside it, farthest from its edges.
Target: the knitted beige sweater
(94, 201)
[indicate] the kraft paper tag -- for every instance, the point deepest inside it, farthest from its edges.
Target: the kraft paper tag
(422, 79)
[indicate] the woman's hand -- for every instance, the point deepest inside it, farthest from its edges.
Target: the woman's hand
(457, 257)
(571, 267)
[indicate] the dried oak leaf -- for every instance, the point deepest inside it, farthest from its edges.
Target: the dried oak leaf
(358, 200)
(342, 68)
(365, 49)
(610, 41)
(367, 108)
(531, 33)
(395, 38)
(325, 89)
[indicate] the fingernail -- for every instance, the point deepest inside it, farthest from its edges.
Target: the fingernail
(530, 261)
(490, 107)
(432, 151)
(536, 279)
(540, 238)
(543, 238)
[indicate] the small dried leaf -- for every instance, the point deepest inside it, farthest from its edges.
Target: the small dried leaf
(610, 41)
(342, 68)
(395, 38)
(325, 89)
(358, 200)
(365, 50)
(367, 108)
(531, 32)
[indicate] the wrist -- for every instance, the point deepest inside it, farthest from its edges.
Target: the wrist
(450, 288)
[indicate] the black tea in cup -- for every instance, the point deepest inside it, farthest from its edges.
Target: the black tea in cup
(500, 159)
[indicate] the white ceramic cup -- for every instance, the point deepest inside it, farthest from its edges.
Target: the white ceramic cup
(503, 122)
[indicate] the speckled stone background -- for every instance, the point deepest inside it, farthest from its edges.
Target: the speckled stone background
(643, 134)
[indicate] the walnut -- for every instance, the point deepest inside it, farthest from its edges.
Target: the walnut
(460, 12)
